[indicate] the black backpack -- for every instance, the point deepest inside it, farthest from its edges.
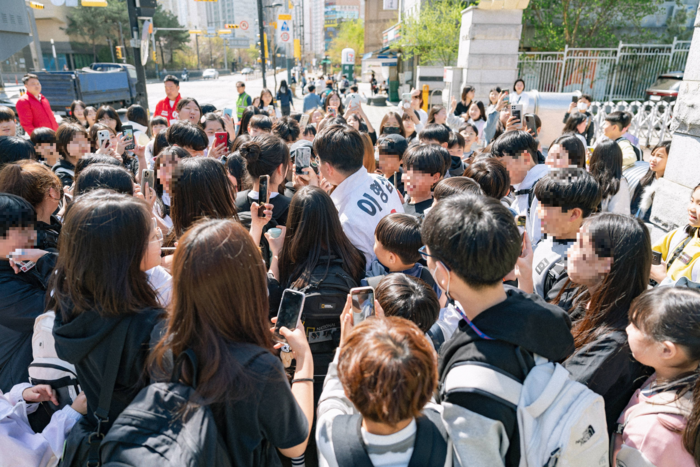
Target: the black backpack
(155, 431)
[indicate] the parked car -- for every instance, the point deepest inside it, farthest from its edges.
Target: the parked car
(210, 73)
(665, 87)
(247, 71)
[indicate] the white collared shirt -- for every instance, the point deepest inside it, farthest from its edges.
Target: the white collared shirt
(533, 225)
(362, 200)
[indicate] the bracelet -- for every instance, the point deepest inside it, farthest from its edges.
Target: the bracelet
(302, 380)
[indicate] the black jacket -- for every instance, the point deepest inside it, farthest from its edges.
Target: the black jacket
(47, 234)
(84, 341)
(22, 299)
(280, 205)
(522, 320)
(65, 171)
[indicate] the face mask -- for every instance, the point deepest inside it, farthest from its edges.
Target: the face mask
(211, 139)
(582, 106)
(447, 291)
(390, 130)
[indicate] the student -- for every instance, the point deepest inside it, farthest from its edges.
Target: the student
(492, 177)
(520, 97)
(409, 127)
(189, 137)
(643, 196)
(435, 134)
(424, 166)
(42, 188)
(477, 117)
(606, 168)
(91, 115)
(616, 125)
(166, 107)
(369, 161)
(470, 133)
(396, 245)
(268, 104)
(311, 100)
(391, 124)
(465, 101)
(15, 148)
(240, 377)
(71, 143)
(284, 96)
(137, 117)
(260, 124)
(576, 125)
(8, 124)
(164, 167)
(158, 124)
(382, 419)
(188, 110)
(287, 129)
(309, 133)
(582, 106)
(105, 307)
(471, 244)
(353, 96)
(44, 141)
(493, 97)
(408, 297)
(362, 199)
(106, 115)
(455, 146)
(236, 172)
(455, 186)
(244, 121)
(660, 423)
(517, 150)
(608, 267)
(390, 150)
(77, 113)
(566, 151)
(105, 176)
(567, 197)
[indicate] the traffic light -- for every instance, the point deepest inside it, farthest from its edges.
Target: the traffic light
(120, 55)
(231, 26)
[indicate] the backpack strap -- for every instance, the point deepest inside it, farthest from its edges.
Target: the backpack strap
(374, 281)
(482, 378)
(347, 442)
(429, 448)
(677, 252)
(436, 335)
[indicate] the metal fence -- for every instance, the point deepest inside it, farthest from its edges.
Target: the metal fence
(621, 73)
(650, 121)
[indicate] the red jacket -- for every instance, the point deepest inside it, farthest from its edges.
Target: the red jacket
(163, 108)
(34, 113)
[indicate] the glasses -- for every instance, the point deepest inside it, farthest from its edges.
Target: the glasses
(425, 256)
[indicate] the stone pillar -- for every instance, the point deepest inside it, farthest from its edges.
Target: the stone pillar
(683, 167)
(488, 44)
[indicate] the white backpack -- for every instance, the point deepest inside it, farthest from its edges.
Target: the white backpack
(561, 422)
(46, 367)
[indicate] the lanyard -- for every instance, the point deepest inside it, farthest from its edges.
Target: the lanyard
(471, 325)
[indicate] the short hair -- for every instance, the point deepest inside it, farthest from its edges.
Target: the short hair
(408, 297)
(379, 366)
(395, 145)
(264, 154)
(96, 176)
(91, 159)
(208, 108)
(475, 236)
(92, 134)
(261, 122)
(354, 88)
(400, 234)
(6, 114)
(158, 120)
(426, 158)
(456, 186)
(464, 126)
(309, 130)
(111, 113)
(30, 180)
(43, 135)
(287, 128)
(188, 100)
(187, 134)
(619, 118)
(456, 140)
(568, 189)
(340, 146)
(312, 88)
(466, 90)
(491, 175)
(240, 83)
(17, 213)
(172, 79)
(137, 114)
(29, 76)
(513, 144)
(435, 132)
(588, 97)
(65, 135)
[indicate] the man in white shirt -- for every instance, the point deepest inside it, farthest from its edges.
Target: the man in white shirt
(362, 199)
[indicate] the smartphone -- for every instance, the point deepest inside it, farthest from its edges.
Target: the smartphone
(304, 122)
(574, 99)
(289, 311)
(406, 98)
(128, 132)
(147, 176)
(531, 124)
(521, 222)
(362, 303)
(655, 257)
(102, 136)
(333, 111)
(228, 112)
(263, 194)
(516, 110)
(302, 159)
(221, 138)
(25, 266)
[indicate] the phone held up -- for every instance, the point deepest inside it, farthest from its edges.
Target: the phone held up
(263, 194)
(289, 312)
(128, 132)
(147, 176)
(516, 110)
(102, 136)
(221, 138)
(531, 124)
(332, 111)
(362, 299)
(302, 159)
(228, 112)
(655, 257)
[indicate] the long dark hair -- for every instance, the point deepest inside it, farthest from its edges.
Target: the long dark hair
(313, 231)
(248, 113)
(386, 117)
(111, 113)
(574, 120)
(263, 154)
(575, 149)
(327, 100)
(626, 240)
(103, 241)
(200, 189)
(219, 300)
(606, 167)
(650, 175)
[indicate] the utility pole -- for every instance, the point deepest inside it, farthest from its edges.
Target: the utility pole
(196, 41)
(262, 38)
(141, 94)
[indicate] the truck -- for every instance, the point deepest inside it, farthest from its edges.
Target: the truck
(111, 84)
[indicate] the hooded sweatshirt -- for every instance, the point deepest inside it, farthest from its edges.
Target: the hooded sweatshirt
(84, 341)
(522, 320)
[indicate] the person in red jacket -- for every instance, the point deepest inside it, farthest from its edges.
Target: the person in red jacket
(34, 109)
(166, 107)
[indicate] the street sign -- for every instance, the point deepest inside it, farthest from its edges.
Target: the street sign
(147, 26)
(135, 43)
(225, 31)
(284, 17)
(36, 6)
(238, 42)
(297, 49)
(284, 33)
(211, 30)
(244, 25)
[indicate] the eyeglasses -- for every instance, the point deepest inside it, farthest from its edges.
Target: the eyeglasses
(425, 256)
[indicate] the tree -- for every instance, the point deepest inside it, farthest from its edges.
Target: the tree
(433, 33)
(95, 25)
(169, 40)
(587, 23)
(351, 34)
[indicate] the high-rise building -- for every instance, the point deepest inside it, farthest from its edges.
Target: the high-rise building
(189, 13)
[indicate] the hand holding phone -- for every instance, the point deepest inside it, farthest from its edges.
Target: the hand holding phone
(516, 110)
(362, 304)
(147, 177)
(289, 312)
(102, 136)
(655, 257)
(221, 137)
(302, 159)
(263, 195)
(128, 132)
(333, 111)
(228, 112)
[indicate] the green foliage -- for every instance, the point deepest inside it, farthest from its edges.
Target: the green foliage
(169, 40)
(433, 34)
(587, 23)
(677, 25)
(351, 34)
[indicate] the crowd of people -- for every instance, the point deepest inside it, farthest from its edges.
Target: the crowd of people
(519, 313)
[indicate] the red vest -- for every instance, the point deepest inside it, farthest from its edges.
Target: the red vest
(34, 113)
(163, 108)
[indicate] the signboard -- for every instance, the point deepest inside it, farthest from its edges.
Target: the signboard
(238, 42)
(146, 29)
(347, 57)
(284, 31)
(297, 49)
(244, 25)
(391, 4)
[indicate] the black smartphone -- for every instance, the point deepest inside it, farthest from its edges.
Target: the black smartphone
(655, 257)
(291, 305)
(531, 124)
(516, 110)
(128, 132)
(147, 176)
(362, 303)
(574, 99)
(302, 159)
(263, 194)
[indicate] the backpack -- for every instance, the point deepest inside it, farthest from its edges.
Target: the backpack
(560, 421)
(152, 431)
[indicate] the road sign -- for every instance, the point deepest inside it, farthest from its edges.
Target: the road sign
(230, 26)
(284, 33)
(284, 17)
(238, 42)
(147, 26)
(244, 25)
(225, 31)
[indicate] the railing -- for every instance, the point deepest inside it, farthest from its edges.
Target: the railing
(621, 73)
(650, 124)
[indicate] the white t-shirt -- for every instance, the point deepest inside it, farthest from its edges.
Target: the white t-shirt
(533, 225)
(362, 200)
(162, 282)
